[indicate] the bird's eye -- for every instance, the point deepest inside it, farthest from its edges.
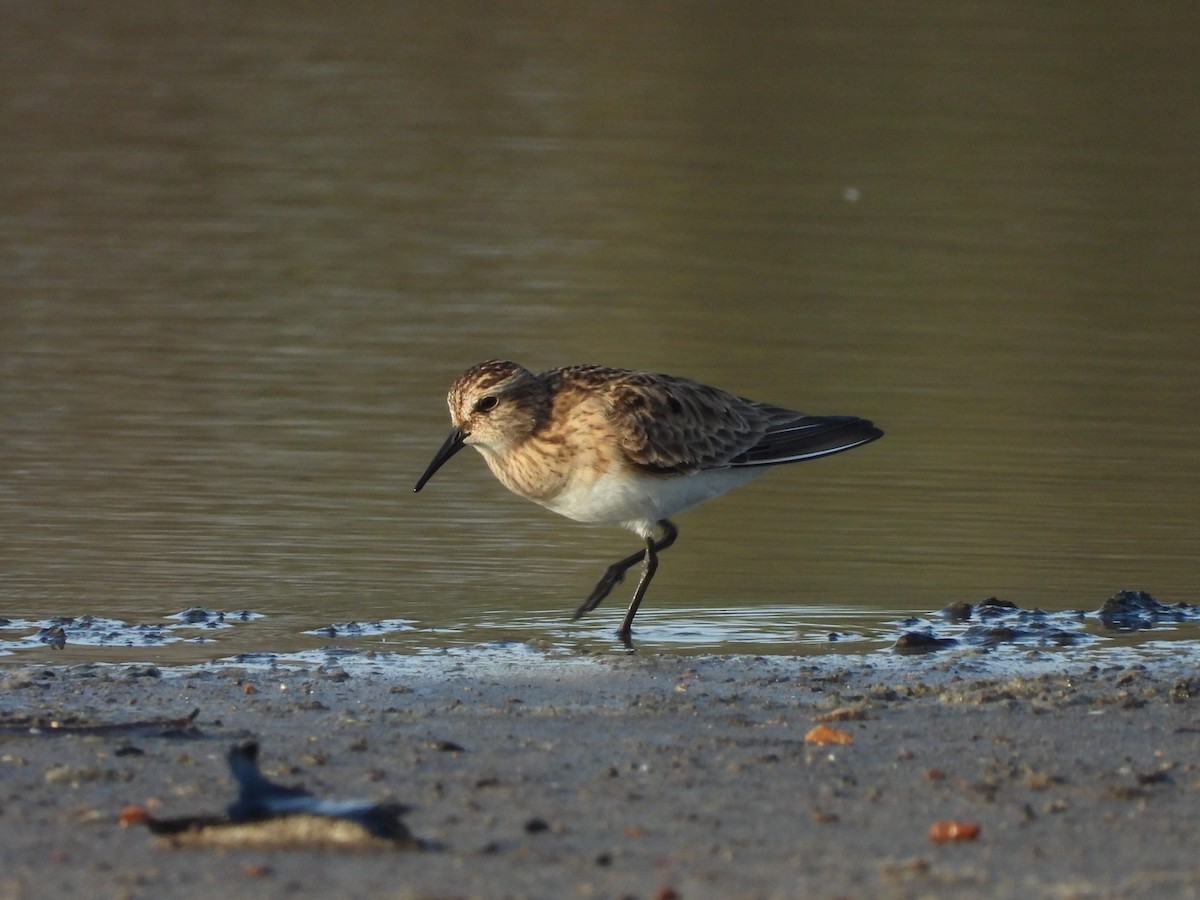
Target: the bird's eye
(486, 404)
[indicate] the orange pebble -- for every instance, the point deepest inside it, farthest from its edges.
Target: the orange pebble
(949, 830)
(823, 734)
(132, 815)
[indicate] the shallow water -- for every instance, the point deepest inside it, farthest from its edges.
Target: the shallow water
(245, 250)
(987, 638)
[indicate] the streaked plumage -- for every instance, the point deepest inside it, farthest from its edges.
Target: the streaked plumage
(605, 445)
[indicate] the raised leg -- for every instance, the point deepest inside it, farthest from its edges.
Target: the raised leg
(611, 578)
(616, 572)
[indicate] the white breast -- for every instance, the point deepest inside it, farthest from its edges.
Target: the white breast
(637, 500)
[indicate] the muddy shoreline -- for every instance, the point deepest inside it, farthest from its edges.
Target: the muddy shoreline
(611, 777)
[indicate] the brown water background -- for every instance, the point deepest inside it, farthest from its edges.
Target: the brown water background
(244, 249)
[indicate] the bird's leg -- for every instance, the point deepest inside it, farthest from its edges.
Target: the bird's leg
(614, 573)
(670, 532)
(611, 578)
(648, 570)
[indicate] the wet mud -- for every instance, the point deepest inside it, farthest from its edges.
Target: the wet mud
(642, 776)
(993, 622)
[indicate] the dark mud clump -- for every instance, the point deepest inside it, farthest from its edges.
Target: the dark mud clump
(993, 623)
(1137, 610)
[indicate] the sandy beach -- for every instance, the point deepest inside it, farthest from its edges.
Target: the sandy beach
(649, 777)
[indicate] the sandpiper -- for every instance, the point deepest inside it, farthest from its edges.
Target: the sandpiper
(604, 445)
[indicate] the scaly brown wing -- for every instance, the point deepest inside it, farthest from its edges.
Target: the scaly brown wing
(670, 424)
(675, 425)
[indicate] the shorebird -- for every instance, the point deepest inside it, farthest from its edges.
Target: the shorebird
(614, 446)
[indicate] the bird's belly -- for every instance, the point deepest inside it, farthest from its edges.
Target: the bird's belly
(638, 500)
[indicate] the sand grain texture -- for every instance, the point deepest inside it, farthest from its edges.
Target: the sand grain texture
(619, 777)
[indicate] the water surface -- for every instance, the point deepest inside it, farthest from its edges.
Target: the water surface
(244, 250)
